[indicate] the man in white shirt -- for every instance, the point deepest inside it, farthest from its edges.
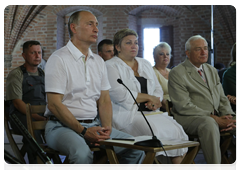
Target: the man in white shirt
(77, 89)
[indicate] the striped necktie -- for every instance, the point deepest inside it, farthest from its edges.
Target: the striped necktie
(200, 73)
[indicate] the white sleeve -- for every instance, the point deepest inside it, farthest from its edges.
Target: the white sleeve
(105, 83)
(55, 75)
(118, 93)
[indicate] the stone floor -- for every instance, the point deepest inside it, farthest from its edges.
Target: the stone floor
(199, 160)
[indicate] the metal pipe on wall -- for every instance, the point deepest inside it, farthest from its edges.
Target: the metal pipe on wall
(212, 48)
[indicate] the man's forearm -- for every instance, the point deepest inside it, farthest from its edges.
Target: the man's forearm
(62, 113)
(105, 114)
(66, 117)
(19, 105)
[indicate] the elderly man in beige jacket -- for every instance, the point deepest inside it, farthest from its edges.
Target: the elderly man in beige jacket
(199, 103)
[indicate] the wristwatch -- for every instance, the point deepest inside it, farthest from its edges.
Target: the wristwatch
(83, 132)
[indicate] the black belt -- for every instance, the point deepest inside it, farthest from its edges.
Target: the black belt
(51, 117)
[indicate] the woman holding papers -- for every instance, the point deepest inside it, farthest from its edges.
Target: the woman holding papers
(138, 75)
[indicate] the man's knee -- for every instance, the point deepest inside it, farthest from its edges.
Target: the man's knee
(208, 127)
(80, 155)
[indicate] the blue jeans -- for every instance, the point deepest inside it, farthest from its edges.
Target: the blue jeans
(68, 142)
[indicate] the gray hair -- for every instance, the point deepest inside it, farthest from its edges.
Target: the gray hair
(160, 46)
(193, 38)
(74, 18)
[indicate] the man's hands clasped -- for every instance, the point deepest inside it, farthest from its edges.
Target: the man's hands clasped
(96, 134)
(225, 123)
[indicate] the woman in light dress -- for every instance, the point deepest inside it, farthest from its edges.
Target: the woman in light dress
(162, 56)
(137, 74)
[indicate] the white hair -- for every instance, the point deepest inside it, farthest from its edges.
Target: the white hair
(160, 46)
(193, 38)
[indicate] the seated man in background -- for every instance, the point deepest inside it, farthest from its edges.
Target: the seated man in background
(199, 103)
(77, 89)
(105, 49)
(229, 80)
(25, 84)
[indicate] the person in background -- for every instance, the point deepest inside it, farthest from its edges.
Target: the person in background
(229, 80)
(221, 69)
(77, 90)
(162, 56)
(219, 66)
(137, 74)
(105, 49)
(25, 84)
(199, 103)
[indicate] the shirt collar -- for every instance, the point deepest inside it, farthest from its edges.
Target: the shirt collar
(76, 53)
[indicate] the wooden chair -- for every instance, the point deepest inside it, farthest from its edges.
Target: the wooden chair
(18, 152)
(225, 145)
(40, 125)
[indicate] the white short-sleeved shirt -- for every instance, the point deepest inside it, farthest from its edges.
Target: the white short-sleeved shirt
(81, 84)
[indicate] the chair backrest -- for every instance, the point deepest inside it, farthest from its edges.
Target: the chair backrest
(35, 125)
(40, 125)
(9, 133)
(169, 107)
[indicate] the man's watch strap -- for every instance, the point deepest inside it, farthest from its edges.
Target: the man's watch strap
(83, 132)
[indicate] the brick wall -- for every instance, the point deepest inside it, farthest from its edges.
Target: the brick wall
(49, 26)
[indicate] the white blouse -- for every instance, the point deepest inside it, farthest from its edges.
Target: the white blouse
(124, 107)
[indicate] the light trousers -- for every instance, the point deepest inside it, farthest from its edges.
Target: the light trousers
(208, 133)
(68, 142)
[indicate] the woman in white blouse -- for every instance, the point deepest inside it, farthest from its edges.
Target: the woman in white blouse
(137, 74)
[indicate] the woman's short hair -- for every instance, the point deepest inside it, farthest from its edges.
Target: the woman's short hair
(118, 37)
(160, 46)
(193, 38)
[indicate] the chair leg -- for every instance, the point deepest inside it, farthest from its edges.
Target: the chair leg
(41, 165)
(225, 145)
(232, 157)
(22, 152)
(100, 157)
(190, 156)
(102, 160)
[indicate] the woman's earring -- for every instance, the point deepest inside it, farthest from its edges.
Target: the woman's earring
(119, 51)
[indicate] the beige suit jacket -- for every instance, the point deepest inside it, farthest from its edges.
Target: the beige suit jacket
(191, 96)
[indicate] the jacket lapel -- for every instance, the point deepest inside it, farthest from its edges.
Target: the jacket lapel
(208, 76)
(193, 73)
